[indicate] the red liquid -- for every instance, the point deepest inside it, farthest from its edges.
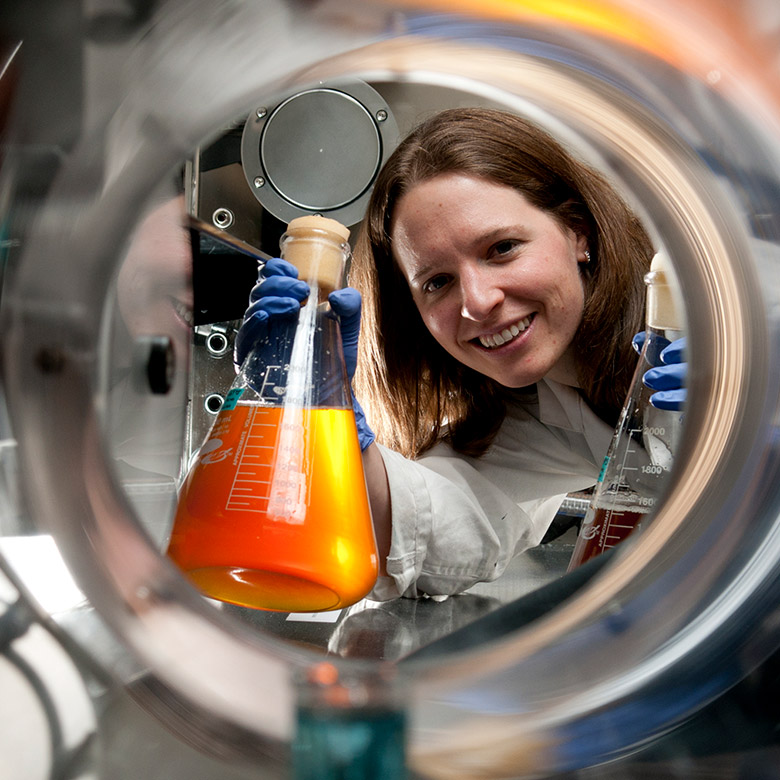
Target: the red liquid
(606, 529)
(278, 518)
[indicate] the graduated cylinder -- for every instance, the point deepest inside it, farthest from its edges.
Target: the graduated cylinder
(274, 513)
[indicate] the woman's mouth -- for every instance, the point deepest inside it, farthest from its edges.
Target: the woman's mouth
(183, 311)
(494, 340)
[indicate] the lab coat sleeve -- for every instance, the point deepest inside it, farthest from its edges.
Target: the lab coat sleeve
(452, 526)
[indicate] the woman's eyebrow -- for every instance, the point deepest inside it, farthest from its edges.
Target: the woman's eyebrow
(502, 231)
(422, 272)
(488, 237)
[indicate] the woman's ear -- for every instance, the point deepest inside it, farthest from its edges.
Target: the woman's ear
(583, 252)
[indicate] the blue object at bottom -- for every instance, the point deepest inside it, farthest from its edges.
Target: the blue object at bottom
(352, 745)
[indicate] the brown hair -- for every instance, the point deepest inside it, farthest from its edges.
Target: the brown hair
(414, 392)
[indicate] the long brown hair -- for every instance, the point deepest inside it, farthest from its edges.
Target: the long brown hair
(414, 392)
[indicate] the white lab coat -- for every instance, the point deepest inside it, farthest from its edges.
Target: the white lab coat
(459, 520)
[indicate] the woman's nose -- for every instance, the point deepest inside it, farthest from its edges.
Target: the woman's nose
(479, 295)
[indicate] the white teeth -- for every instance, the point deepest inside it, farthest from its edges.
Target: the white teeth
(183, 311)
(498, 339)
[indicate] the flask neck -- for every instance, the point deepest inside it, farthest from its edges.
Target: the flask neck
(662, 314)
(319, 249)
(664, 310)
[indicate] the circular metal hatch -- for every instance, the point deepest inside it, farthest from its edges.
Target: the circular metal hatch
(318, 151)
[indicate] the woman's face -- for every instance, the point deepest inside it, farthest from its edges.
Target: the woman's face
(155, 280)
(495, 279)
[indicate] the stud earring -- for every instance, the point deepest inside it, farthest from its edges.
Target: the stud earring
(587, 256)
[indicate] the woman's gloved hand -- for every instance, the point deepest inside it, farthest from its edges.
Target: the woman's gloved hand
(280, 294)
(668, 378)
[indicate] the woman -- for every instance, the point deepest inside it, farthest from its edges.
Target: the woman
(502, 283)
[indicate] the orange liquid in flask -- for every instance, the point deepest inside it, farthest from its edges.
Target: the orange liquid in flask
(274, 514)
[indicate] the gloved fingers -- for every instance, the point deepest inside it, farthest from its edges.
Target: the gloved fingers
(253, 328)
(278, 267)
(666, 377)
(280, 286)
(366, 436)
(255, 324)
(273, 306)
(638, 343)
(670, 400)
(675, 352)
(669, 378)
(347, 303)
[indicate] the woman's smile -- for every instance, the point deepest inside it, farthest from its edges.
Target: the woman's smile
(507, 335)
(495, 279)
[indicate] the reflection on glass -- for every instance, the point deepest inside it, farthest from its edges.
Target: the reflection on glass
(151, 320)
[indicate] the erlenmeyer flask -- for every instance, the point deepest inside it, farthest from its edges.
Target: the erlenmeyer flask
(274, 513)
(638, 462)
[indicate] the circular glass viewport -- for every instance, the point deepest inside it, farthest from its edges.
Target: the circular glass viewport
(337, 129)
(668, 608)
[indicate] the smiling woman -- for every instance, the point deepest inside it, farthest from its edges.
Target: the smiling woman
(496, 280)
(154, 286)
(502, 282)
(455, 179)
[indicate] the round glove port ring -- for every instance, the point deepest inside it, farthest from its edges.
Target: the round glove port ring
(660, 621)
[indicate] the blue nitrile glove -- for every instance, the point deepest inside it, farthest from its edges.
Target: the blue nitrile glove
(668, 379)
(279, 294)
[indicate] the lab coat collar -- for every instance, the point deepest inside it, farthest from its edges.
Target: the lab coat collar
(560, 405)
(563, 406)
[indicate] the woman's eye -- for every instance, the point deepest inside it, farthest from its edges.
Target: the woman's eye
(434, 284)
(502, 248)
